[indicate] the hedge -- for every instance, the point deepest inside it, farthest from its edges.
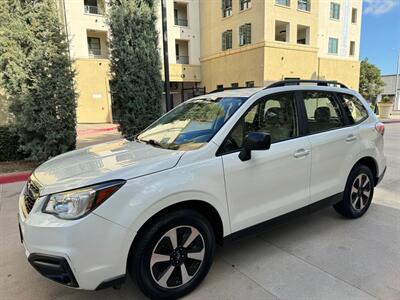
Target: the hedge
(9, 144)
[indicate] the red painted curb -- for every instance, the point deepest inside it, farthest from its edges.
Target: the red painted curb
(84, 132)
(14, 177)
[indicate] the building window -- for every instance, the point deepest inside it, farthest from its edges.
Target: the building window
(93, 7)
(283, 2)
(182, 52)
(226, 8)
(335, 11)
(180, 14)
(303, 35)
(304, 5)
(333, 46)
(94, 46)
(227, 40)
(235, 85)
(244, 4)
(352, 48)
(220, 87)
(245, 34)
(250, 84)
(354, 15)
(281, 31)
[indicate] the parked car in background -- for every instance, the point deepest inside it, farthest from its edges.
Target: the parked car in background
(156, 207)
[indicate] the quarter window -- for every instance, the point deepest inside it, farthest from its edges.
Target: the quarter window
(323, 112)
(275, 115)
(353, 108)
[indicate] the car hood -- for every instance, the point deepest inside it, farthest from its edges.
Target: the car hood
(113, 160)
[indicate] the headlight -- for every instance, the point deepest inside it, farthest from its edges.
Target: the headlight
(77, 203)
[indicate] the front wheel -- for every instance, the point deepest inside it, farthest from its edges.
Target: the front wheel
(173, 254)
(358, 193)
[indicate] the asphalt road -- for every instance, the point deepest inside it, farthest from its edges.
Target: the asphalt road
(321, 256)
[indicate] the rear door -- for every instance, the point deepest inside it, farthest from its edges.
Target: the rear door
(334, 143)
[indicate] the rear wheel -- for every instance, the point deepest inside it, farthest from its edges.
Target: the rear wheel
(358, 193)
(173, 255)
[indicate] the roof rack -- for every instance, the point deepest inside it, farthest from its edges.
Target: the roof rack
(229, 88)
(299, 81)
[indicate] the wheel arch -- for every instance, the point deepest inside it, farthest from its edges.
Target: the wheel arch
(371, 163)
(204, 208)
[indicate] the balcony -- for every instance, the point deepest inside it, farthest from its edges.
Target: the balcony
(182, 52)
(97, 44)
(94, 7)
(180, 14)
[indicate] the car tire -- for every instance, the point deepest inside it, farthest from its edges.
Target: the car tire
(173, 254)
(358, 193)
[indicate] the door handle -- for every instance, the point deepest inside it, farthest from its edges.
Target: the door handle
(351, 138)
(301, 152)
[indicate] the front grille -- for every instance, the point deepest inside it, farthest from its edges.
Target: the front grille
(31, 195)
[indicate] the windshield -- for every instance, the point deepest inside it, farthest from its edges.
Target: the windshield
(192, 124)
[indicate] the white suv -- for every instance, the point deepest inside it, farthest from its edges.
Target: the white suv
(213, 166)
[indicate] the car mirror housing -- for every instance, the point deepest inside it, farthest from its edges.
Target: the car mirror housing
(254, 141)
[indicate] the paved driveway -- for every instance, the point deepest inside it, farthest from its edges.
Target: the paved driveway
(322, 256)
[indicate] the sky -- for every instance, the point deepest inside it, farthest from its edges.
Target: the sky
(380, 34)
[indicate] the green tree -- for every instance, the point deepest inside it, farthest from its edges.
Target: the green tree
(37, 75)
(371, 84)
(136, 85)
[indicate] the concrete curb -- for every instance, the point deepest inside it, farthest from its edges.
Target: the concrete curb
(390, 121)
(14, 177)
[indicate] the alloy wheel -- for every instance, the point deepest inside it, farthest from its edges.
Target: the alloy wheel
(177, 256)
(360, 192)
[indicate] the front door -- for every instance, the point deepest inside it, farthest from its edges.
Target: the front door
(275, 181)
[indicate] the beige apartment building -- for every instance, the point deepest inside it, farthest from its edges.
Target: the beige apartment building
(222, 43)
(255, 42)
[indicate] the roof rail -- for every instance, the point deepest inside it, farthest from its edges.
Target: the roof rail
(229, 88)
(299, 81)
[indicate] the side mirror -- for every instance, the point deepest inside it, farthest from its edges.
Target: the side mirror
(254, 141)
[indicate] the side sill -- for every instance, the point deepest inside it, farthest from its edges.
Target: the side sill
(306, 210)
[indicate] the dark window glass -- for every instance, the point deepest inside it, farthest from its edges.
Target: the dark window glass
(323, 112)
(353, 108)
(275, 114)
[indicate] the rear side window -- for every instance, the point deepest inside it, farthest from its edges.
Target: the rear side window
(353, 108)
(323, 112)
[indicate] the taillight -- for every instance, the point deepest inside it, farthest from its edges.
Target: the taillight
(380, 127)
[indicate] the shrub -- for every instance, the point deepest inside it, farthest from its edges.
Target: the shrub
(386, 99)
(9, 144)
(136, 84)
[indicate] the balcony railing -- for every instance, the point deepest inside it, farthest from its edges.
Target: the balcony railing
(95, 10)
(98, 53)
(181, 22)
(180, 59)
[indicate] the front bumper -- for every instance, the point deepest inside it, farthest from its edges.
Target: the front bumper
(86, 253)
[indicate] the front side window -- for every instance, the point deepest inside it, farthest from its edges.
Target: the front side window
(275, 115)
(323, 112)
(335, 11)
(227, 40)
(192, 124)
(245, 34)
(244, 4)
(226, 6)
(353, 108)
(333, 46)
(304, 5)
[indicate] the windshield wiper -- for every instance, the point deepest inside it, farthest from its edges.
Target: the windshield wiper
(152, 142)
